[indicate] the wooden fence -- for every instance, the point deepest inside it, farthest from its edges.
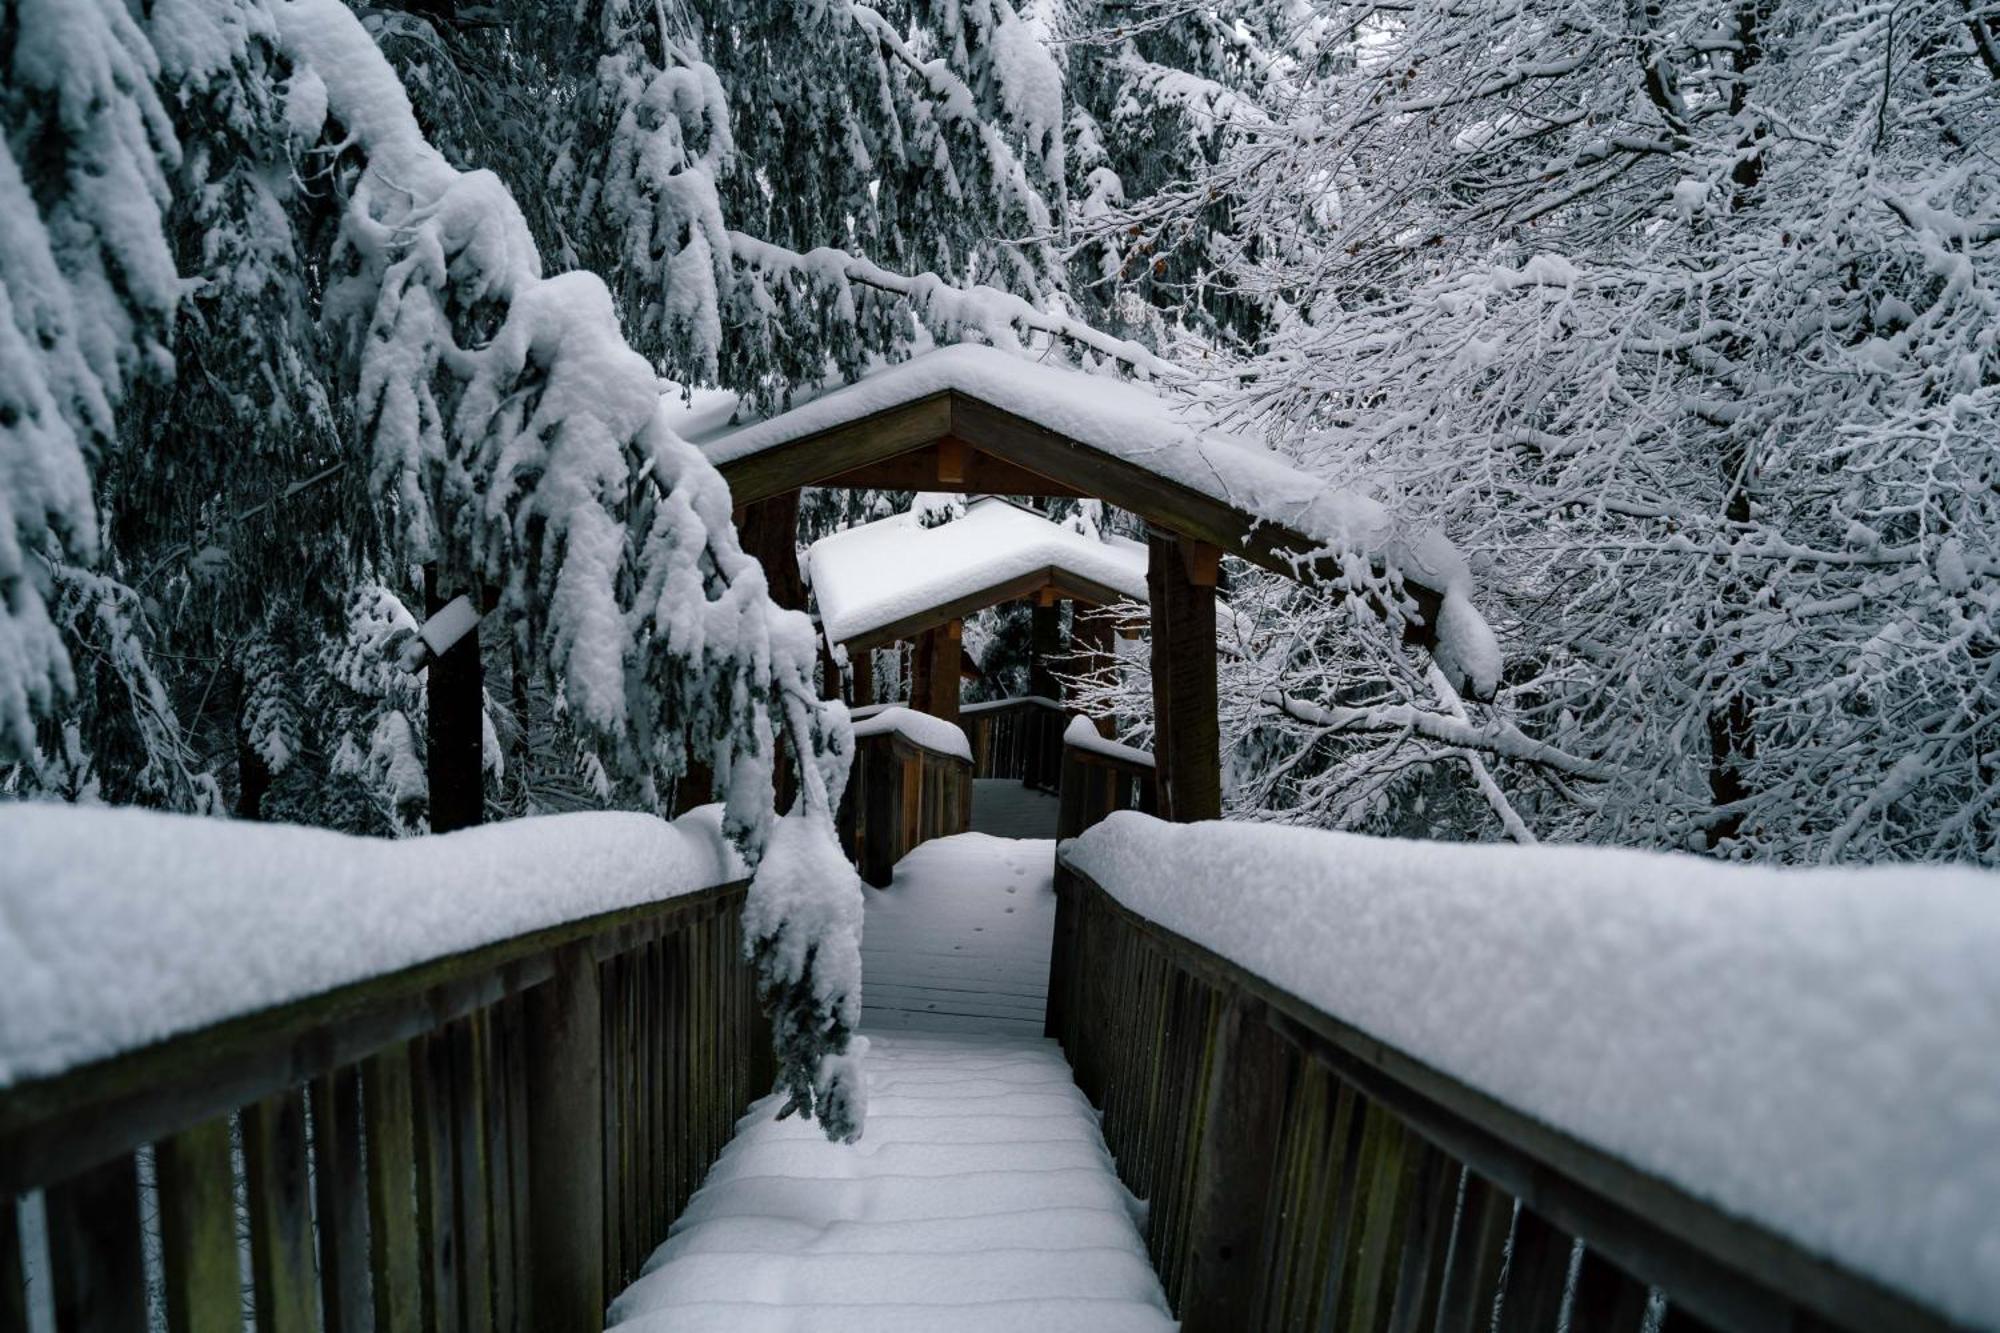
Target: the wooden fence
(1017, 738)
(1302, 1175)
(493, 1140)
(900, 794)
(1096, 782)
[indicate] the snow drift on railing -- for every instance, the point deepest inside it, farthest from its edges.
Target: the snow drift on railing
(1818, 1051)
(925, 729)
(1082, 734)
(121, 927)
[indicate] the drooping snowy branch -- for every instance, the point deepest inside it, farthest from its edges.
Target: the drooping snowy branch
(524, 448)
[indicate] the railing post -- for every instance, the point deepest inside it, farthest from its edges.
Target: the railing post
(1073, 805)
(566, 1148)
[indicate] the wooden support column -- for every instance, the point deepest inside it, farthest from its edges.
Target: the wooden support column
(922, 653)
(862, 661)
(769, 530)
(454, 706)
(1187, 747)
(1044, 645)
(947, 649)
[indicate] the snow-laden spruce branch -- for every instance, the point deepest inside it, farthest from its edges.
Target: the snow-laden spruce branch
(523, 445)
(1000, 318)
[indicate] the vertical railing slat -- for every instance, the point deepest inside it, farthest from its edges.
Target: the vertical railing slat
(341, 1190)
(1478, 1249)
(395, 1255)
(283, 1269)
(437, 1204)
(565, 1083)
(466, 1051)
(97, 1263)
(203, 1287)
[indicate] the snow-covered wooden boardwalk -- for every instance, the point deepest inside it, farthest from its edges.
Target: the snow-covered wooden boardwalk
(981, 1196)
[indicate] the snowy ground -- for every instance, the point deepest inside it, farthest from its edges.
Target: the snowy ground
(981, 1196)
(959, 942)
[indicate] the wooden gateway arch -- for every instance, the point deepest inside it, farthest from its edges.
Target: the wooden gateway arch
(973, 419)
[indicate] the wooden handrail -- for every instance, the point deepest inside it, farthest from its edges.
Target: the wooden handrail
(1017, 738)
(1096, 782)
(1301, 1173)
(493, 1139)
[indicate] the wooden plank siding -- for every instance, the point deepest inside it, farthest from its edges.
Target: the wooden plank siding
(406, 1142)
(1301, 1175)
(900, 795)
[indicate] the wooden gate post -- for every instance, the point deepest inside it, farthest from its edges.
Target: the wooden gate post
(566, 1148)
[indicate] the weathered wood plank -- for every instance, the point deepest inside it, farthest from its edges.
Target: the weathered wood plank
(277, 1178)
(1232, 1194)
(566, 1149)
(437, 1215)
(341, 1192)
(467, 1056)
(395, 1253)
(1478, 1248)
(197, 1196)
(97, 1265)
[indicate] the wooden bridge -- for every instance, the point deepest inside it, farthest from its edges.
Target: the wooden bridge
(1094, 1102)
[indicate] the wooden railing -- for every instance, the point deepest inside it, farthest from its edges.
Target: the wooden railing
(1017, 738)
(492, 1140)
(1300, 1174)
(900, 794)
(1098, 779)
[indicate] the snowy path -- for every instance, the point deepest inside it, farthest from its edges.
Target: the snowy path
(1006, 809)
(981, 1198)
(960, 941)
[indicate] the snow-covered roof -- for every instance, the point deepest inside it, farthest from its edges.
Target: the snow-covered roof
(1163, 457)
(875, 578)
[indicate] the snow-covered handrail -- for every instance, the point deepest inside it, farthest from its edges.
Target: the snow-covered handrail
(912, 782)
(475, 1006)
(1767, 1092)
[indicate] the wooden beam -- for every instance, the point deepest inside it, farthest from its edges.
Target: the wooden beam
(1184, 686)
(951, 456)
(809, 461)
(1203, 562)
(919, 469)
(1065, 585)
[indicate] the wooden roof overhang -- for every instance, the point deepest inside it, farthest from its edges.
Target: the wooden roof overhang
(952, 441)
(1049, 578)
